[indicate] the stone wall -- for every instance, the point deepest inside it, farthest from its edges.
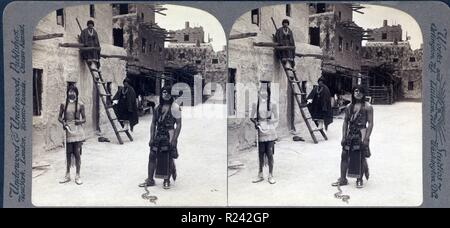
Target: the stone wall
(253, 64)
(60, 65)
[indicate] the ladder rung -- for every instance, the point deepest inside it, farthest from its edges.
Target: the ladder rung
(299, 93)
(123, 130)
(290, 69)
(315, 130)
(105, 95)
(95, 70)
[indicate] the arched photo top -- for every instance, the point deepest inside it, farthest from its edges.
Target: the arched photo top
(201, 24)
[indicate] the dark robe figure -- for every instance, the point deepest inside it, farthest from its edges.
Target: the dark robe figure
(320, 107)
(125, 106)
(285, 37)
(89, 38)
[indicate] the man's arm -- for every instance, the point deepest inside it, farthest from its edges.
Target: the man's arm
(83, 115)
(275, 113)
(97, 40)
(61, 114)
(292, 38)
(253, 114)
(345, 124)
(370, 123)
(83, 36)
(177, 111)
(152, 129)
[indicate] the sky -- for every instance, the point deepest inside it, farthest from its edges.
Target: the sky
(374, 15)
(178, 15)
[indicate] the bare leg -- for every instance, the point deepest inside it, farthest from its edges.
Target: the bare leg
(77, 153)
(269, 152)
(261, 152)
(151, 168)
(173, 169)
(69, 151)
(166, 184)
(344, 167)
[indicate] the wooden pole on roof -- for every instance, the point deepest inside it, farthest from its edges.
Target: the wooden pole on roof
(48, 36)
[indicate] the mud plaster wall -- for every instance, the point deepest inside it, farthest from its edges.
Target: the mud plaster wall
(345, 10)
(195, 34)
(253, 64)
(393, 33)
(133, 33)
(412, 72)
(330, 31)
(62, 64)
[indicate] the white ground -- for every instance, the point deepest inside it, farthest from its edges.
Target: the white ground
(304, 171)
(112, 172)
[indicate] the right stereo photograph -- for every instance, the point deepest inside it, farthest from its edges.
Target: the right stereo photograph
(325, 106)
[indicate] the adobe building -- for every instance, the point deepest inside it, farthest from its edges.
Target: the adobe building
(53, 66)
(394, 70)
(189, 57)
(331, 27)
(249, 64)
(190, 35)
(135, 29)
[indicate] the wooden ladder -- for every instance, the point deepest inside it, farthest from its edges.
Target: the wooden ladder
(297, 92)
(104, 94)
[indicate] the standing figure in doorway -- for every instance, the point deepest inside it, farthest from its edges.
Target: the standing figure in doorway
(285, 37)
(319, 105)
(125, 105)
(89, 38)
(164, 132)
(356, 131)
(72, 116)
(265, 117)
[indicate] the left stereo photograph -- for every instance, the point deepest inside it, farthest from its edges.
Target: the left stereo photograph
(128, 107)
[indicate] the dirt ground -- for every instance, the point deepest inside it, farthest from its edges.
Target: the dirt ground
(304, 171)
(111, 172)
